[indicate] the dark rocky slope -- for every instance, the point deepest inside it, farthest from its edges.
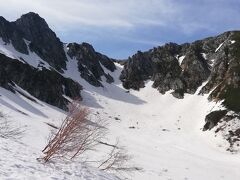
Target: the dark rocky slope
(202, 61)
(46, 85)
(162, 65)
(43, 41)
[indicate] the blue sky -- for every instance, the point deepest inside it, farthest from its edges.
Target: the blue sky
(118, 28)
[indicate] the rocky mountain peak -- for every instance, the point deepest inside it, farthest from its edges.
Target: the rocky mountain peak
(31, 18)
(43, 41)
(40, 39)
(32, 26)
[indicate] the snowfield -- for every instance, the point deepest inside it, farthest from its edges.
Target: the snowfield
(162, 134)
(18, 161)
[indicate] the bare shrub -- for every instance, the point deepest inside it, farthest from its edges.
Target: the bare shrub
(116, 160)
(8, 129)
(76, 135)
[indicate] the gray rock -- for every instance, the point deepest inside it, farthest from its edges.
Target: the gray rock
(43, 41)
(11, 34)
(161, 65)
(46, 85)
(89, 63)
(213, 118)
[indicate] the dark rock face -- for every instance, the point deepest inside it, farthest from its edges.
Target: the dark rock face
(204, 59)
(166, 69)
(89, 63)
(48, 86)
(161, 65)
(225, 75)
(10, 33)
(43, 41)
(195, 69)
(213, 118)
(136, 70)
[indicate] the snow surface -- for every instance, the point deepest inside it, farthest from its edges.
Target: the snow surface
(180, 59)
(162, 134)
(204, 55)
(19, 157)
(211, 62)
(18, 162)
(32, 58)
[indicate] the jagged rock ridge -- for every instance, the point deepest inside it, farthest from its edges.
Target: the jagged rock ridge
(183, 68)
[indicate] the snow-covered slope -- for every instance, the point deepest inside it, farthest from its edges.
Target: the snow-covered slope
(19, 156)
(19, 161)
(162, 134)
(32, 58)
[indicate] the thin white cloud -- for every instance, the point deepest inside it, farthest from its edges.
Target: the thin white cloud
(98, 13)
(124, 15)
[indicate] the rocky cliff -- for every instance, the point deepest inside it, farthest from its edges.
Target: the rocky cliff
(183, 68)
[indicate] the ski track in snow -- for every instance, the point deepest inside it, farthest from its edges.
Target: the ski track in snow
(165, 138)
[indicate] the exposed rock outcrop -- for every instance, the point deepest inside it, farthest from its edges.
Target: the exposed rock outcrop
(183, 68)
(11, 34)
(162, 65)
(42, 40)
(46, 85)
(91, 63)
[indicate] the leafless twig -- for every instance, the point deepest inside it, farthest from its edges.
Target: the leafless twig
(8, 129)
